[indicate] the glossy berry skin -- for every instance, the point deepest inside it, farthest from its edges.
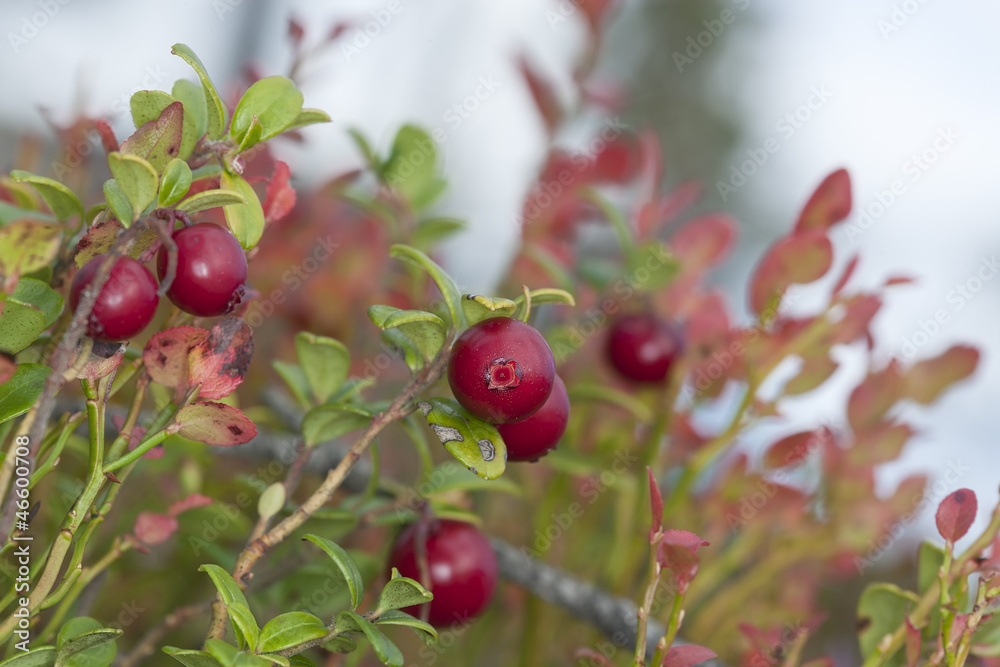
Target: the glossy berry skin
(462, 566)
(501, 370)
(211, 270)
(643, 348)
(534, 437)
(127, 301)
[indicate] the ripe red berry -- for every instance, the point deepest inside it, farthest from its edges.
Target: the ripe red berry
(126, 302)
(211, 270)
(461, 564)
(644, 348)
(501, 370)
(532, 438)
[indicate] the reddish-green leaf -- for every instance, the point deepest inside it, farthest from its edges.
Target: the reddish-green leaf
(214, 424)
(793, 449)
(829, 204)
(879, 444)
(102, 235)
(542, 92)
(814, 372)
(704, 241)
(153, 528)
(846, 275)
(794, 260)
(27, 245)
(687, 656)
(655, 505)
(159, 140)
(678, 552)
(874, 397)
(166, 356)
(926, 380)
(956, 513)
(191, 502)
(280, 198)
(221, 361)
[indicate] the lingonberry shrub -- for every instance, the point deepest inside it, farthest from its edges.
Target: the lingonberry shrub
(650, 496)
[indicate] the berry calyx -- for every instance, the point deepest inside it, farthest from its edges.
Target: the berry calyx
(126, 303)
(643, 348)
(534, 437)
(501, 370)
(461, 565)
(211, 270)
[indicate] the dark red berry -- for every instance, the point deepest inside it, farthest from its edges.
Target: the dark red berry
(501, 370)
(461, 564)
(532, 438)
(211, 270)
(126, 303)
(644, 348)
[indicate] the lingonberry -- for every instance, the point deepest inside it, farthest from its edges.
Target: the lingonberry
(643, 348)
(461, 565)
(532, 438)
(211, 271)
(126, 302)
(501, 370)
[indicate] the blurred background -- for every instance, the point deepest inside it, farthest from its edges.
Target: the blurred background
(901, 92)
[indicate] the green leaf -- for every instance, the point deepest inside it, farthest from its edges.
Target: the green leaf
(276, 659)
(309, 117)
(118, 202)
(30, 310)
(215, 111)
(346, 564)
(175, 183)
(248, 660)
(223, 652)
(148, 106)
(252, 136)
(84, 642)
(63, 201)
(986, 640)
(411, 167)
(20, 392)
(276, 103)
(192, 96)
(9, 213)
(430, 232)
(158, 141)
(244, 623)
(210, 199)
(43, 656)
(475, 444)
(541, 297)
(400, 592)
(300, 661)
(27, 246)
(342, 644)
(397, 340)
(652, 266)
(425, 330)
(881, 610)
(366, 149)
(478, 308)
(191, 658)
(353, 623)
(326, 422)
(585, 391)
(446, 284)
(325, 362)
(230, 593)
(395, 617)
(271, 500)
(137, 178)
(290, 629)
(295, 378)
(245, 220)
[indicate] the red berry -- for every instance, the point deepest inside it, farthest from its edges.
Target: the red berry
(211, 270)
(532, 438)
(501, 370)
(644, 348)
(126, 302)
(461, 564)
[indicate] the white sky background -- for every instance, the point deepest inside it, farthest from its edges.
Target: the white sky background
(889, 98)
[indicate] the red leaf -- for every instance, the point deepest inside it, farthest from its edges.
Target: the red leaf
(280, 199)
(214, 424)
(956, 513)
(655, 504)
(103, 358)
(814, 372)
(861, 310)
(220, 362)
(794, 260)
(678, 552)
(545, 98)
(927, 379)
(166, 356)
(846, 275)
(153, 528)
(189, 503)
(829, 204)
(793, 449)
(159, 140)
(687, 656)
(874, 397)
(880, 444)
(107, 135)
(899, 280)
(704, 241)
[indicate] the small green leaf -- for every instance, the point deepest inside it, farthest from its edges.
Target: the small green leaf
(30, 310)
(400, 592)
(652, 266)
(411, 167)
(192, 96)
(326, 422)
(881, 610)
(353, 623)
(84, 642)
(361, 141)
(276, 659)
(295, 378)
(540, 297)
(431, 231)
(325, 362)
(252, 136)
(191, 658)
(271, 500)
(223, 652)
(395, 617)
(137, 179)
(397, 340)
(446, 284)
(215, 111)
(149, 105)
(478, 308)
(244, 624)
(158, 141)
(175, 183)
(475, 444)
(27, 246)
(118, 202)
(43, 656)
(425, 330)
(276, 103)
(210, 199)
(309, 117)
(230, 593)
(245, 220)
(63, 201)
(355, 583)
(290, 629)
(342, 644)
(20, 392)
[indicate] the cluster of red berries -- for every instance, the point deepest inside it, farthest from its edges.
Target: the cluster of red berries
(210, 280)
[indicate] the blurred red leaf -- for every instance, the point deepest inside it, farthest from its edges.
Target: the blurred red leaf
(280, 198)
(220, 362)
(687, 656)
(846, 275)
(543, 94)
(956, 513)
(108, 140)
(213, 423)
(797, 259)
(151, 528)
(879, 444)
(655, 505)
(189, 503)
(793, 449)
(874, 397)
(615, 163)
(814, 372)
(861, 309)
(678, 552)
(899, 280)
(708, 325)
(829, 204)
(927, 379)
(166, 356)
(704, 241)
